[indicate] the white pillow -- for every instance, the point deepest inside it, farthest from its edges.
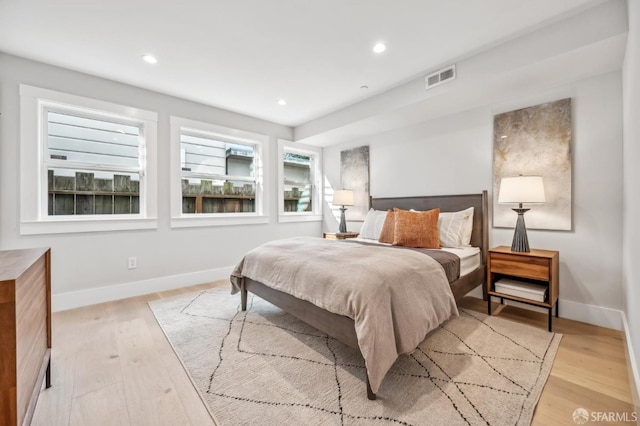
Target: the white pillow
(372, 225)
(454, 228)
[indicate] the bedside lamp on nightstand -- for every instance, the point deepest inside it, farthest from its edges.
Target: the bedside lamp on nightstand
(521, 189)
(343, 197)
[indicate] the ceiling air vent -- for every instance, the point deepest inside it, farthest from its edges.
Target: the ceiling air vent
(439, 77)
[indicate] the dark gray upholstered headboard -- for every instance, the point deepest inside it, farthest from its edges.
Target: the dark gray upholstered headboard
(448, 203)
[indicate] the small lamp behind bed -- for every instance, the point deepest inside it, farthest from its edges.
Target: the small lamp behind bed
(343, 197)
(521, 189)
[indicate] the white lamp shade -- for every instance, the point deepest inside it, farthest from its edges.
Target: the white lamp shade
(521, 189)
(343, 197)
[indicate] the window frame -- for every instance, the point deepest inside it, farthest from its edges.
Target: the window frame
(316, 180)
(227, 135)
(35, 102)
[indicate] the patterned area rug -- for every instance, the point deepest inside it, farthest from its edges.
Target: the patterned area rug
(266, 367)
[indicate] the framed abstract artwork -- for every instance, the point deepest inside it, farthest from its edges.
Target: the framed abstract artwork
(354, 175)
(535, 141)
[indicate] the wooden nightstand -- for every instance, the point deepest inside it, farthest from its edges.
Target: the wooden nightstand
(339, 235)
(540, 267)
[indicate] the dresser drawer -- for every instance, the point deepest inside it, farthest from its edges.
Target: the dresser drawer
(526, 267)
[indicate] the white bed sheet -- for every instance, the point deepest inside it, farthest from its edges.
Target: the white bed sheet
(469, 256)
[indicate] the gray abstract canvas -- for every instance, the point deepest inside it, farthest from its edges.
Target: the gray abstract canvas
(354, 175)
(535, 141)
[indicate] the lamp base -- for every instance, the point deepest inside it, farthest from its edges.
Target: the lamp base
(343, 221)
(520, 241)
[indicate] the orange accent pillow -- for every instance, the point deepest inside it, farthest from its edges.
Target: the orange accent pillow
(416, 229)
(386, 235)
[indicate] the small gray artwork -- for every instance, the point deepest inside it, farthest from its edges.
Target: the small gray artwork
(535, 141)
(354, 175)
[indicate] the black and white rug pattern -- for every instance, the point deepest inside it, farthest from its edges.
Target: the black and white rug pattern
(265, 367)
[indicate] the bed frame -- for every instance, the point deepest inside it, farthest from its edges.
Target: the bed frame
(341, 327)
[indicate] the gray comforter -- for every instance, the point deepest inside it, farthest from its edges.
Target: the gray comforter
(395, 297)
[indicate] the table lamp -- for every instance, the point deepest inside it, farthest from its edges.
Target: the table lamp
(343, 197)
(521, 189)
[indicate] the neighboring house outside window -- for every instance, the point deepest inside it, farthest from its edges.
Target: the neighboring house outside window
(217, 175)
(93, 164)
(85, 164)
(300, 182)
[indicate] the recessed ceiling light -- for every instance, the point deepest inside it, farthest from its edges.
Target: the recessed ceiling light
(282, 102)
(150, 59)
(379, 48)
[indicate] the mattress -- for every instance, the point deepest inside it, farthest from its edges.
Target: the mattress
(470, 257)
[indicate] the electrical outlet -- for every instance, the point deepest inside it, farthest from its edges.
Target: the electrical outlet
(133, 263)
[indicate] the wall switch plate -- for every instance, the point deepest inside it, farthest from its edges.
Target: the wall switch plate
(133, 263)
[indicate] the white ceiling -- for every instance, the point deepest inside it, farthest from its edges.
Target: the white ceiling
(244, 55)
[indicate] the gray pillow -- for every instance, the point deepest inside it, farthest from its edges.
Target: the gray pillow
(455, 228)
(372, 225)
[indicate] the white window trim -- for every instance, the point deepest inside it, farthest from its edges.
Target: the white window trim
(261, 156)
(33, 213)
(316, 214)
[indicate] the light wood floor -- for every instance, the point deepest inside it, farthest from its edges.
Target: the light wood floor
(112, 365)
(589, 371)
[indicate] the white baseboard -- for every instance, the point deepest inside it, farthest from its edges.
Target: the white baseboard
(591, 314)
(632, 366)
(91, 296)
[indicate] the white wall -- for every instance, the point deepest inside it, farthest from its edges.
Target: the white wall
(453, 155)
(631, 198)
(88, 261)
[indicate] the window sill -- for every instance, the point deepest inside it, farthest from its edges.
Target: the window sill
(92, 224)
(299, 217)
(219, 219)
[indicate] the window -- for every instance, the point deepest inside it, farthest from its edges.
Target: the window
(93, 164)
(300, 182)
(217, 176)
(220, 174)
(84, 164)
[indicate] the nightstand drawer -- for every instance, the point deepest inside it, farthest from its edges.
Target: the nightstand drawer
(527, 267)
(339, 235)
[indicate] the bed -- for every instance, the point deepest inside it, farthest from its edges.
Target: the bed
(342, 327)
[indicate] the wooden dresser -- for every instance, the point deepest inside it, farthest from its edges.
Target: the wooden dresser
(25, 332)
